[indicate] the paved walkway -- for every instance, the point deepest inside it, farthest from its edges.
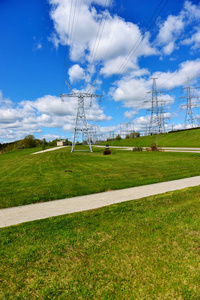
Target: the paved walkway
(166, 149)
(21, 214)
(51, 149)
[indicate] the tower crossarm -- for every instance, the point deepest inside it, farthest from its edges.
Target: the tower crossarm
(190, 97)
(81, 95)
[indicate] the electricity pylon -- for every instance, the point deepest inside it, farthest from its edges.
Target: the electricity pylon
(189, 116)
(81, 125)
(157, 123)
(126, 128)
(93, 133)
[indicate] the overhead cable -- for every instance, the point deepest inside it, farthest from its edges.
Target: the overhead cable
(145, 31)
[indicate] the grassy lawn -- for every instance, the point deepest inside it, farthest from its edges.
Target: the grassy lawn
(26, 178)
(187, 138)
(144, 249)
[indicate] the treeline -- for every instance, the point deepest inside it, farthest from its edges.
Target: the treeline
(128, 136)
(28, 142)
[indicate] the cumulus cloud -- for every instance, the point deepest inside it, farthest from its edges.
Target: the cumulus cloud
(194, 40)
(76, 73)
(30, 117)
(192, 11)
(130, 114)
(131, 91)
(170, 31)
(173, 32)
(136, 93)
(170, 80)
(90, 42)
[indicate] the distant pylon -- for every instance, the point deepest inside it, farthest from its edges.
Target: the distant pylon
(162, 120)
(189, 116)
(93, 133)
(157, 123)
(81, 125)
(126, 128)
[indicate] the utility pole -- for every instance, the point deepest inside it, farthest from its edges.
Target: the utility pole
(81, 125)
(189, 116)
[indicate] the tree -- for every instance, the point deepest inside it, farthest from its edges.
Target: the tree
(134, 134)
(118, 137)
(29, 141)
(44, 144)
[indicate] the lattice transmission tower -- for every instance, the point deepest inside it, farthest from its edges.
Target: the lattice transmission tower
(157, 120)
(126, 128)
(93, 133)
(189, 116)
(81, 125)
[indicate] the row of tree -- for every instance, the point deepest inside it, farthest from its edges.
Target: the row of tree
(29, 142)
(128, 136)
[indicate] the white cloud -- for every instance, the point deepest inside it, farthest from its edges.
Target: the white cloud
(53, 106)
(169, 80)
(131, 91)
(169, 32)
(171, 28)
(130, 114)
(194, 40)
(89, 42)
(48, 111)
(169, 48)
(180, 30)
(76, 73)
(192, 11)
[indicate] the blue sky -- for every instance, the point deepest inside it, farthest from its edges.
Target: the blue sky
(44, 43)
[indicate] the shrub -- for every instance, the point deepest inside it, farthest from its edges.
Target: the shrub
(154, 147)
(137, 149)
(106, 152)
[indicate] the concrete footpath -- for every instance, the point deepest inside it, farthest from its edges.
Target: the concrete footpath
(51, 149)
(21, 214)
(166, 149)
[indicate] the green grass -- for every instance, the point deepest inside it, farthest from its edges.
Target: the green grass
(187, 138)
(26, 178)
(144, 249)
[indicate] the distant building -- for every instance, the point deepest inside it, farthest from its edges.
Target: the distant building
(61, 143)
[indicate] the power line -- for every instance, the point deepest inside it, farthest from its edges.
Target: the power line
(135, 46)
(66, 47)
(99, 35)
(80, 6)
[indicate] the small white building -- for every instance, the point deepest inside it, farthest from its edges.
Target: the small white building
(61, 143)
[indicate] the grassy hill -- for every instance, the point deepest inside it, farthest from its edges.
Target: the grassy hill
(26, 178)
(184, 138)
(145, 249)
